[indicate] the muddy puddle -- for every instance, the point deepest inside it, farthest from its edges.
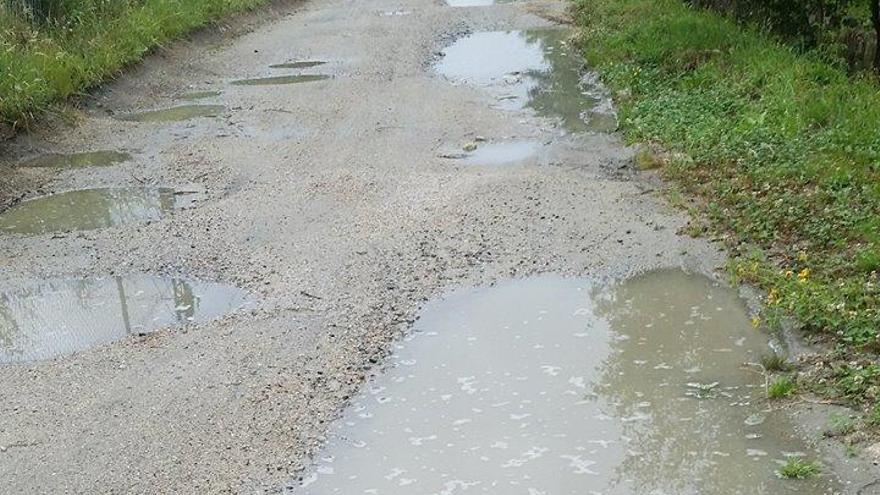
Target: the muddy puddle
(102, 158)
(200, 95)
(476, 3)
(175, 114)
(302, 64)
(554, 385)
(291, 79)
(88, 209)
(537, 69)
(502, 153)
(48, 319)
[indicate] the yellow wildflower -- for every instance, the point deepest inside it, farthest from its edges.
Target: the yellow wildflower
(802, 256)
(773, 296)
(756, 321)
(804, 274)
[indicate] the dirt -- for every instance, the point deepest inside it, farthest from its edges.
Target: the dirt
(329, 204)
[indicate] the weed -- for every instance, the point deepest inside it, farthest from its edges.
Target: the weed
(774, 362)
(797, 468)
(781, 387)
(839, 424)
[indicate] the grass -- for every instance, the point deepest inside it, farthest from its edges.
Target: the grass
(797, 469)
(782, 151)
(781, 388)
(44, 63)
(774, 362)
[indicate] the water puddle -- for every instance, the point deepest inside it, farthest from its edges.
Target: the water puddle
(395, 13)
(476, 3)
(76, 160)
(470, 3)
(292, 79)
(200, 95)
(175, 114)
(502, 153)
(88, 209)
(555, 385)
(536, 69)
(303, 64)
(49, 319)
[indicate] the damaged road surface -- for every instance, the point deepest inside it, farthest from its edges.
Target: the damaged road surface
(206, 311)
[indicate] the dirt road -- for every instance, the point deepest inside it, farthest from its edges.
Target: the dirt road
(338, 204)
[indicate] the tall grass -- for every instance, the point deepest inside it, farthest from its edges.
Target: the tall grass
(783, 147)
(79, 43)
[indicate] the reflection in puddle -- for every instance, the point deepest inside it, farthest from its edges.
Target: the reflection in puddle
(502, 153)
(89, 209)
(58, 317)
(175, 114)
(293, 79)
(199, 95)
(303, 64)
(558, 386)
(534, 69)
(77, 160)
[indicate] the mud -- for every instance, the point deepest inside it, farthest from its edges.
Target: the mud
(329, 204)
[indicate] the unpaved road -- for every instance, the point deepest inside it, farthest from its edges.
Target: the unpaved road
(328, 203)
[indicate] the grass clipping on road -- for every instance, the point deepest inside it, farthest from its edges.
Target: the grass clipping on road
(782, 150)
(42, 63)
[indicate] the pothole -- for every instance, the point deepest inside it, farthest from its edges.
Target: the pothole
(88, 209)
(200, 95)
(302, 64)
(290, 79)
(502, 153)
(569, 386)
(76, 160)
(476, 3)
(43, 320)
(175, 114)
(536, 69)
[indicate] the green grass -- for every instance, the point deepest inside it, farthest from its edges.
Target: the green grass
(797, 469)
(781, 388)
(782, 148)
(42, 64)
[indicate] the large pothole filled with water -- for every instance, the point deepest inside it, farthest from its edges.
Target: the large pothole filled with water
(175, 114)
(103, 158)
(537, 69)
(42, 320)
(89, 209)
(554, 385)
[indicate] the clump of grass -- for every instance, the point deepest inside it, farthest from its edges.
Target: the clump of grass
(86, 43)
(781, 388)
(840, 424)
(782, 151)
(797, 468)
(774, 362)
